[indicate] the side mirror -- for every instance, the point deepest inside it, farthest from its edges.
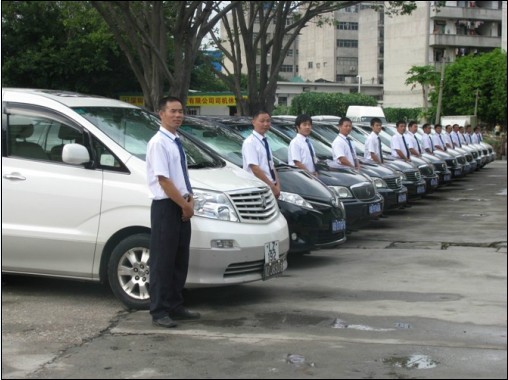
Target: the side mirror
(75, 154)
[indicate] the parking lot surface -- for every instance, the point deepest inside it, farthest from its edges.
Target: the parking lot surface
(421, 293)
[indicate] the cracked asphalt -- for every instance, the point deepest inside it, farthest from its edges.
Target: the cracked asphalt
(419, 294)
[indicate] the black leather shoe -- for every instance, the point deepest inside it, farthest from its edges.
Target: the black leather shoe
(184, 313)
(164, 322)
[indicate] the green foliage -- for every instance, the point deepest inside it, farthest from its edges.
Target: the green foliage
(314, 103)
(281, 110)
(61, 45)
(406, 114)
(485, 73)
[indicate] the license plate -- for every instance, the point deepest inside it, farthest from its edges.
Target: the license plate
(374, 208)
(433, 182)
(274, 265)
(446, 177)
(458, 172)
(402, 198)
(338, 225)
(420, 189)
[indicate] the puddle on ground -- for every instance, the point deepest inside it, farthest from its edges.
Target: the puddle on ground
(298, 361)
(467, 199)
(502, 192)
(340, 324)
(403, 325)
(415, 361)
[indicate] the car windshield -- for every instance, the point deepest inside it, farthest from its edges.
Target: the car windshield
(132, 128)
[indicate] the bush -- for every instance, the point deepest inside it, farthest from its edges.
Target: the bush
(319, 103)
(407, 114)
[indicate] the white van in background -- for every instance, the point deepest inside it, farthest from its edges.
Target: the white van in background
(363, 114)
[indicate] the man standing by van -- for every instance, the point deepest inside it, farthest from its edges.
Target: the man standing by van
(257, 155)
(171, 211)
(301, 153)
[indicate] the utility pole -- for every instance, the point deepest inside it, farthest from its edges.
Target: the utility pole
(440, 95)
(476, 102)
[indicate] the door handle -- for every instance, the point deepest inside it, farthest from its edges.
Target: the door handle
(14, 177)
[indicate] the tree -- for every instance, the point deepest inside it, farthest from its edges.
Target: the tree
(247, 32)
(425, 76)
(485, 73)
(144, 30)
(61, 45)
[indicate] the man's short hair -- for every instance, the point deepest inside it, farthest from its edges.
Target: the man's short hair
(438, 126)
(167, 99)
(343, 120)
(425, 126)
(400, 122)
(411, 123)
(302, 119)
(375, 120)
(260, 112)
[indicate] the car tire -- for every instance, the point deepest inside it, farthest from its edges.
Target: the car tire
(128, 271)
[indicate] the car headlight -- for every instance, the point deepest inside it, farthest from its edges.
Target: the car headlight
(379, 182)
(294, 198)
(402, 175)
(214, 205)
(341, 191)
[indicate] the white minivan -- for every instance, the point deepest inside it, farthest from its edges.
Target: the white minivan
(75, 199)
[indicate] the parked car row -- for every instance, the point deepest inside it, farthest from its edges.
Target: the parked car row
(76, 199)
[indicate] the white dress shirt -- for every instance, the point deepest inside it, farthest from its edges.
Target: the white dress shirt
(299, 151)
(448, 139)
(372, 146)
(412, 143)
(254, 153)
(427, 142)
(163, 159)
(455, 139)
(397, 142)
(436, 140)
(341, 148)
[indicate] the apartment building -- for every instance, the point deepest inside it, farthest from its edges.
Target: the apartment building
(433, 36)
(365, 50)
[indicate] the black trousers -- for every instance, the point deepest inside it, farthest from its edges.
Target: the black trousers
(169, 257)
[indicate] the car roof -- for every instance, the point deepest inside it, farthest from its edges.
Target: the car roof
(70, 98)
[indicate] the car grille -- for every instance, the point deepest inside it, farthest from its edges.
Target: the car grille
(426, 170)
(247, 267)
(364, 191)
(413, 176)
(451, 163)
(393, 183)
(440, 167)
(461, 159)
(255, 205)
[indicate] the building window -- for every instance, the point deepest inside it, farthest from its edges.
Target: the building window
(318, 65)
(282, 101)
(286, 68)
(340, 78)
(309, 65)
(342, 25)
(439, 27)
(347, 43)
(290, 53)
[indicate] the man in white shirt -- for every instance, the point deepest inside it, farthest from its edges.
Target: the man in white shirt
(413, 144)
(477, 136)
(455, 136)
(398, 143)
(468, 135)
(257, 155)
(301, 152)
(428, 145)
(372, 148)
(437, 139)
(342, 147)
(462, 136)
(447, 137)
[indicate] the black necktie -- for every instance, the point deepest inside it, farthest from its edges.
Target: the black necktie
(458, 139)
(184, 166)
(310, 148)
(269, 156)
(418, 144)
(443, 145)
(405, 145)
(380, 149)
(351, 147)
